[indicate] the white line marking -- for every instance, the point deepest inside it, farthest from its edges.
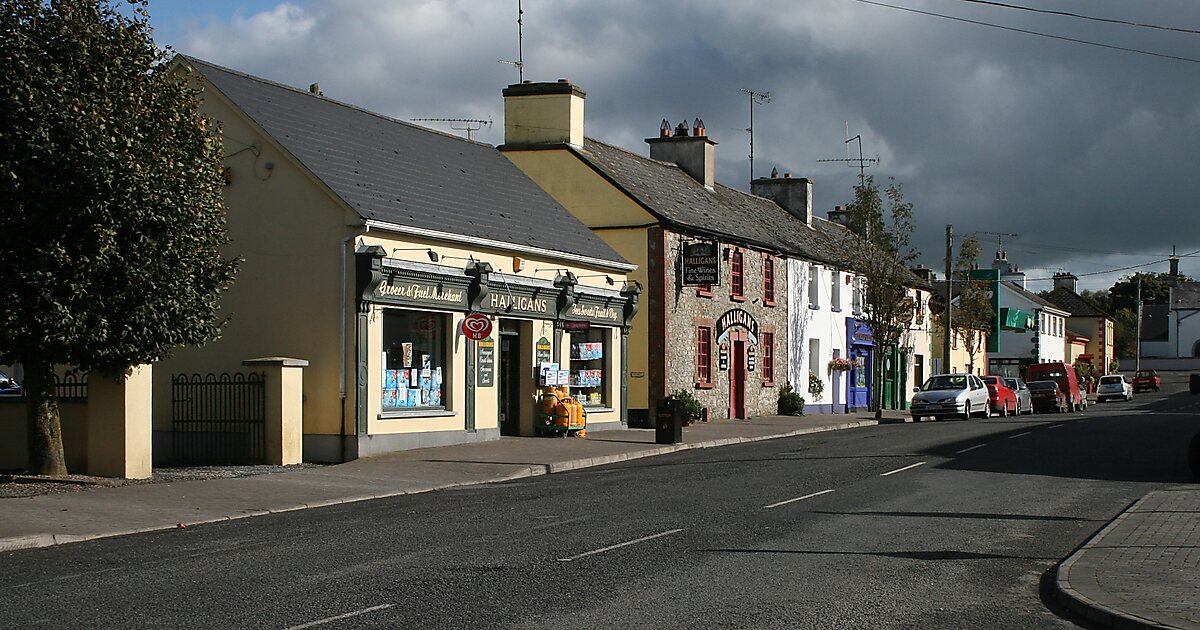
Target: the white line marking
(901, 469)
(340, 617)
(1020, 435)
(619, 545)
(969, 449)
(807, 496)
(1054, 426)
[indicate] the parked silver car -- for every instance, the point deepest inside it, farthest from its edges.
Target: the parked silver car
(1114, 387)
(1024, 398)
(951, 395)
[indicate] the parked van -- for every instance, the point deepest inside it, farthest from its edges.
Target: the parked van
(1062, 374)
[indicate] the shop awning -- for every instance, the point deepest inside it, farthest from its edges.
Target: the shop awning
(1016, 319)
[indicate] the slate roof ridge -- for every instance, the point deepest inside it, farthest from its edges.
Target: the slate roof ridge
(1033, 297)
(1065, 295)
(334, 101)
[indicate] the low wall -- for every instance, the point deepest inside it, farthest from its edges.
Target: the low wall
(14, 449)
(1183, 364)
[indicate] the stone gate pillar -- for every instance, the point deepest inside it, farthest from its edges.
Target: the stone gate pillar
(119, 424)
(284, 384)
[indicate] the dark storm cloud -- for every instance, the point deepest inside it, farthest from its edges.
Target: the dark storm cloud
(1067, 145)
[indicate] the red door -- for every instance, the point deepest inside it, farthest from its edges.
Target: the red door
(737, 380)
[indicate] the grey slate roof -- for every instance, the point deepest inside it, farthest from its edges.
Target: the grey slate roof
(1186, 296)
(677, 199)
(1075, 304)
(396, 172)
(1033, 297)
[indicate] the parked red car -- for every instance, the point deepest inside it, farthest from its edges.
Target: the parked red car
(1002, 397)
(1146, 379)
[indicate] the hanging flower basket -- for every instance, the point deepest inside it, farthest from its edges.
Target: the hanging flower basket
(838, 364)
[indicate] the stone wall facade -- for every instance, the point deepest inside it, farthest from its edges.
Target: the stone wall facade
(687, 311)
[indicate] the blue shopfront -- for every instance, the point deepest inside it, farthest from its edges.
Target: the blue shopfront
(861, 345)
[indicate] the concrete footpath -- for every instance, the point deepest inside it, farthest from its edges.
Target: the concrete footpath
(1141, 571)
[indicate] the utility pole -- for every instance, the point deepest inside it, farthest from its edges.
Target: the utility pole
(947, 318)
(1137, 361)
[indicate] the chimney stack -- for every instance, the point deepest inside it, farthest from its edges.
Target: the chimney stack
(839, 215)
(692, 152)
(543, 113)
(792, 194)
(1068, 280)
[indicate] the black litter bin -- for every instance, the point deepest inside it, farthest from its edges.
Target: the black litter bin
(668, 422)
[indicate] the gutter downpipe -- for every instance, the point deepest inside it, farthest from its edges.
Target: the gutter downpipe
(345, 256)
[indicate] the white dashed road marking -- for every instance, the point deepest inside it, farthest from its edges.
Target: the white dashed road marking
(340, 617)
(969, 449)
(901, 469)
(1020, 435)
(807, 496)
(619, 545)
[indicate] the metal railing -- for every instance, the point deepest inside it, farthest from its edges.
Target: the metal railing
(218, 419)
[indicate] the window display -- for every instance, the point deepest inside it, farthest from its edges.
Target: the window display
(414, 360)
(589, 380)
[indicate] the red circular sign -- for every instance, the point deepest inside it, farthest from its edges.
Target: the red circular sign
(476, 326)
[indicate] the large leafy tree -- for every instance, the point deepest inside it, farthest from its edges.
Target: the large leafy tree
(111, 216)
(880, 250)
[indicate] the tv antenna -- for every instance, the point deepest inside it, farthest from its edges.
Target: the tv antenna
(756, 98)
(861, 162)
(999, 238)
(520, 62)
(469, 125)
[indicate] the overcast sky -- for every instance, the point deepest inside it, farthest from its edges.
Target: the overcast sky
(1087, 153)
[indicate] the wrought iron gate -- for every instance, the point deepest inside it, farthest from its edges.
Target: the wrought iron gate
(218, 419)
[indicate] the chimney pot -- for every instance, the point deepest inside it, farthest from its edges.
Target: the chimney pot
(774, 172)
(664, 129)
(563, 81)
(698, 127)
(787, 175)
(681, 129)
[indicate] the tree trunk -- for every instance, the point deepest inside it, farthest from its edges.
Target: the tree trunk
(45, 426)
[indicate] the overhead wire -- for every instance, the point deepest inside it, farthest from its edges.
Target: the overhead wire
(1093, 18)
(1031, 32)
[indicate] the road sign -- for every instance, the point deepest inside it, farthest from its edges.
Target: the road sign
(937, 304)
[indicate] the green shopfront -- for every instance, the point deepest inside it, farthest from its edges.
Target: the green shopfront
(427, 374)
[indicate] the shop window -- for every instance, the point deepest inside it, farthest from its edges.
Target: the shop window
(737, 286)
(767, 341)
(704, 356)
(414, 355)
(589, 358)
(769, 280)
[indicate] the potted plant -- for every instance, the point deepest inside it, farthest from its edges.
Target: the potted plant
(692, 409)
(816, 386)
(791, 403)
(839, 364)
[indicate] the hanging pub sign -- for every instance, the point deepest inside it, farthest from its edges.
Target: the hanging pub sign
(737, 318)
(723, 357)
(701, 265)
(751, 358)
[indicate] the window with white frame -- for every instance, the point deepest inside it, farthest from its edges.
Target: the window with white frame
(814, 356)
(835, 298)
(814, 285)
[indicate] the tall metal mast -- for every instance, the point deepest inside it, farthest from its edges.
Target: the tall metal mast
(756, 98)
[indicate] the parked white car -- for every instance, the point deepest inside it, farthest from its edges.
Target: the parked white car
(951, 395)
(1114, 387)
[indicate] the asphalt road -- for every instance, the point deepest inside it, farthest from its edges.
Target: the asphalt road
(932, 525)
